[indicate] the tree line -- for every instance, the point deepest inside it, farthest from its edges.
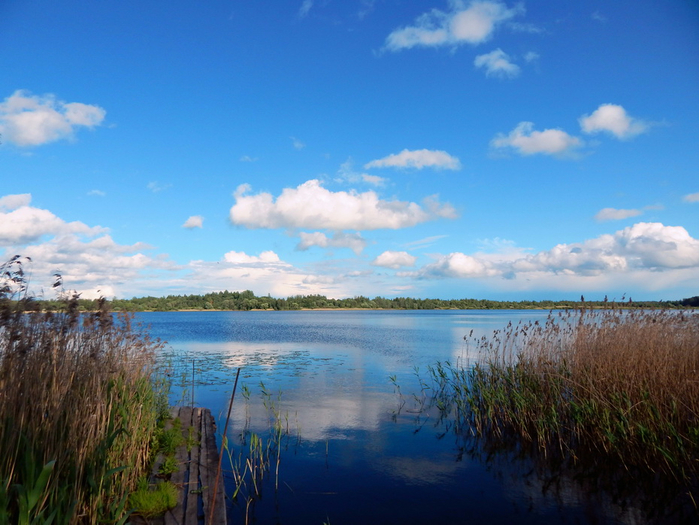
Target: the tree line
(247, 300)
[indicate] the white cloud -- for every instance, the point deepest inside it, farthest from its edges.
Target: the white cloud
(157, 187)
(424, 243)
(472, 24)
(367, 8)
(457, 265)
(633, 251)
(346, 173)
(12, 202)
(88, 259)
(313, 207)
(297, 143)
(248, 158)
(612, 119)
(497, 245)
(30, 120)
(305, 8)
(692, 197)
(418, 159)
(265, 274)
(242, 258)
(531, 56)
(643, 245)
(374, 180)
(97, 267)
(96, 193)
(24, 224)
(497, 64)
(195, 221)
(395, 260)
(612, 214)
(529, 142)
(599, 17)
(353, 241)
(520, 27)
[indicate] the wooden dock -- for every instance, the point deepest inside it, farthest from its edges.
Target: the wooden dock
(197, 474)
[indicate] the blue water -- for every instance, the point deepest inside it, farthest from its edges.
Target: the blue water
(354, 451)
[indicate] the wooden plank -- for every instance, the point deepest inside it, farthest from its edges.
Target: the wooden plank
(218, 517)
(176, 516)
(197, 475)
(193, 488)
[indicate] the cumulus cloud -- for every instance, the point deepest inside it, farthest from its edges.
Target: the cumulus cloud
(311, 206)
(457, 265)
(23, 224)
(248, 158)
(497, 64)
(418, 159)
(612, 119)
(471, 24)
(265, 273)
(297, 143)
(94, 267)
(30, 120)
(353, 241)
(394, 260)
(243, 258)
(692, 197)
(195, 221)
(96, 193)
(531, 56)
(612, 214)
(12, 202)
(87, 257)
(526, 141)
(642, 247)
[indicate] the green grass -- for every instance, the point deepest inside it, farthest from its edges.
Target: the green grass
(153, 501)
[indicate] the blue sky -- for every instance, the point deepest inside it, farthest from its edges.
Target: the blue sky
(434, 148)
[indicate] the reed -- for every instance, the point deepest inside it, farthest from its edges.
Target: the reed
(620, 384)
(258, 455)
(78, 408)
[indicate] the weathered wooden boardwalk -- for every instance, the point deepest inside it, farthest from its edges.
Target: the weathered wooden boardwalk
(197, 474)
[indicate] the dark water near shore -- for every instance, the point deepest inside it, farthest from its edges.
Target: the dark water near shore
(351, 454)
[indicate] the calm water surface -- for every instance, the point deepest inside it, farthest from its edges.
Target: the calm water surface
(351, 454)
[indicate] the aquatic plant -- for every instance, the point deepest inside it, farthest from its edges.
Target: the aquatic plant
(258, 455)
(621, 384)
(78, 407)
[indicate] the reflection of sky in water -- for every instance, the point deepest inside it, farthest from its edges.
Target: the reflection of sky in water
(333, 368)
(328, 375)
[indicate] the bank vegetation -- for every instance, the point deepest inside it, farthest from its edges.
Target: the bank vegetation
(80, 408)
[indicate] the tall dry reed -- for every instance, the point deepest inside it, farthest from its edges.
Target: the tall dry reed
(619, 383)
(78, 408)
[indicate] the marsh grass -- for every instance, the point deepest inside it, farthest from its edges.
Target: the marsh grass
(78, 408)
(620, 384)
(256, 459)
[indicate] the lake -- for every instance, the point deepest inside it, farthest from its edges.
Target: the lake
(335, 397)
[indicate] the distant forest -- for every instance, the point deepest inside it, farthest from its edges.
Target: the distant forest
(247, 300)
